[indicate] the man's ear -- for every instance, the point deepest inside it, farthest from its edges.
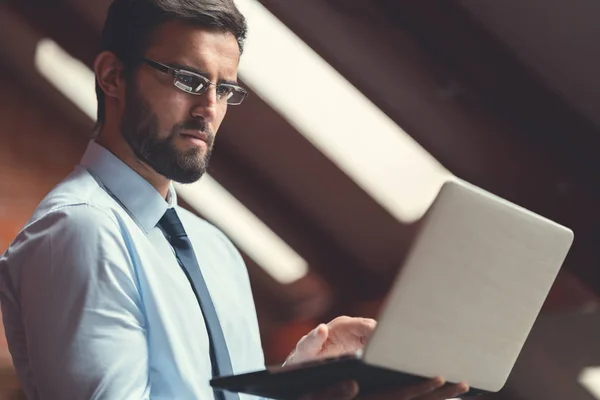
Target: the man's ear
(109, 74)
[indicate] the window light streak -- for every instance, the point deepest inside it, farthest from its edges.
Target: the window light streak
(590, 379)
(244, 229)
(69, 75)
(337, 118)
(76, 81)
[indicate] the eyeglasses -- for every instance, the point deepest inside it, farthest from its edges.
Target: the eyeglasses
(196, 84)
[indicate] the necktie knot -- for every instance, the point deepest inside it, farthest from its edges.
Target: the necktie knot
(171, 224)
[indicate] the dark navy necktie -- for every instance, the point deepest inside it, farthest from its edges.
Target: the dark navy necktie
(219, 355)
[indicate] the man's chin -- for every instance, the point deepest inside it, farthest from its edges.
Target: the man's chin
(187, 175)
(186, 180)
(189, 167)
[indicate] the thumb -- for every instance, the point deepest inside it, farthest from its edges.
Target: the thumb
(311, 344)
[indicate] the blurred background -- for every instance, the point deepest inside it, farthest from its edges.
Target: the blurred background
(358, 111)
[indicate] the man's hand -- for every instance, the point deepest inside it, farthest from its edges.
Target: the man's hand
(343, 335)
(346, 335)
(432, 389)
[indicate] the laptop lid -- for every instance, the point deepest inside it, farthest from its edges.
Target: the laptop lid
(470, 289)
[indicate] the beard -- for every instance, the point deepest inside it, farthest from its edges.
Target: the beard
(140, 129)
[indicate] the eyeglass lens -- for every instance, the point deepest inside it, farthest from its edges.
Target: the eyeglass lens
(197, 84)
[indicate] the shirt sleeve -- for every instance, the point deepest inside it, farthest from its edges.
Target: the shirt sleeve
(83, 328)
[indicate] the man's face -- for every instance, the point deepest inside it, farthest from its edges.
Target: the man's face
(168, 129)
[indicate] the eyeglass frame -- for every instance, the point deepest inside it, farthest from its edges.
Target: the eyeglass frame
(175, 71)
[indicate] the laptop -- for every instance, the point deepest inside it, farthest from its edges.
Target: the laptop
(461, 306)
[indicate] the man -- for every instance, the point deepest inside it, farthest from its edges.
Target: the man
(111, 291)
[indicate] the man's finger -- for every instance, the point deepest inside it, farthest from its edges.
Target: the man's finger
(313, 342)
(360, 327)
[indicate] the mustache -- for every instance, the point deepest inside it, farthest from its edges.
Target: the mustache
(193, 124)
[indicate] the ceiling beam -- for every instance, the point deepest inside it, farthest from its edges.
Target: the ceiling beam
(412, 83)
(502, 83)
(559, 139)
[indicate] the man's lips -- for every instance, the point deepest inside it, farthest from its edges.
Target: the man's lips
(195, 134)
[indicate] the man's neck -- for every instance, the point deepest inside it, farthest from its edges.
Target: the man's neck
(116, 145)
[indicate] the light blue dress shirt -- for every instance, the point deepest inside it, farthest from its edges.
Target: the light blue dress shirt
(95, 305)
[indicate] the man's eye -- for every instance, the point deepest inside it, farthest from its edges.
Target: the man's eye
(184, 83)
(224, 90)
(186, 80)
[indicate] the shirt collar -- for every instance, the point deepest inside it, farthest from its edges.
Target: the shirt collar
(136, 194)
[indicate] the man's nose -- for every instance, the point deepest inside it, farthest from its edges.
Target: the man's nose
(205, 105)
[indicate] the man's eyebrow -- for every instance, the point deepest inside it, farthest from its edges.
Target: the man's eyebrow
(204, 74)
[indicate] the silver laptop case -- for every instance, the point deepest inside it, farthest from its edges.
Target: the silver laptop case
(470, 289)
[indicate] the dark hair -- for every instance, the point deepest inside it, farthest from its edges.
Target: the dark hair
(130, 24)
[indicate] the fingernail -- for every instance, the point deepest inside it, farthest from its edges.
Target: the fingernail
(462, 388)
(438, 382)
(316, 330)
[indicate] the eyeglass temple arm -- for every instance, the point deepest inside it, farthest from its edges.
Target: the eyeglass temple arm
(161, 67)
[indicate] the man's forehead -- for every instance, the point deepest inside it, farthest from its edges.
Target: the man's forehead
(185, 41)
